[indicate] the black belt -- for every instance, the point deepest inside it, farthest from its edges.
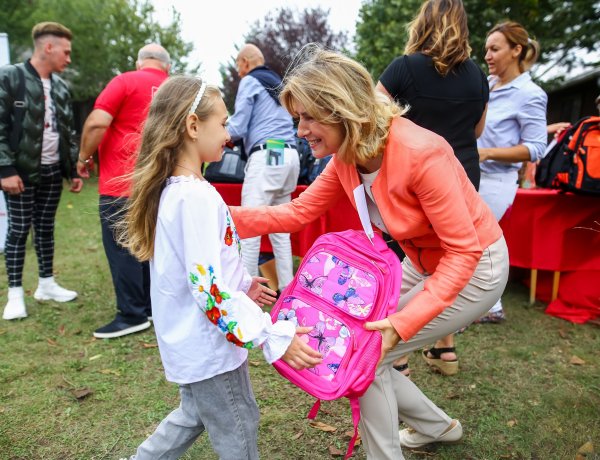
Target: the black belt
(258, 147)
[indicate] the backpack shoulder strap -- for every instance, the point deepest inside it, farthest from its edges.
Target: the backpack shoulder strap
(18, 111)
(354, 405)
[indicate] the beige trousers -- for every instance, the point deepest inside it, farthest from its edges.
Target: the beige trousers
(391, 395)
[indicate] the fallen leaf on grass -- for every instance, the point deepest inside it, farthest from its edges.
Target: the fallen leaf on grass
(577, 361)
(563, 334)
(95, 357)
(335, 452)
(350, 434)
(61, 329)
(583, 451)
(452, 396)
(297, 436)
(52, 342)
(69, 206)
(110, 371)
(511, 423)
(472, 386)
(81, 393)
(323, 426)
(149, 345)
(254, 363)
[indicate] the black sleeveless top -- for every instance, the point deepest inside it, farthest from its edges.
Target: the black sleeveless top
(449, 106)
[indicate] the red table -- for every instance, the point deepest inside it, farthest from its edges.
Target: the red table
(341, 216)
(558, 232)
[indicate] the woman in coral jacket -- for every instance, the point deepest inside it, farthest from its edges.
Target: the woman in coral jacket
(417, 192)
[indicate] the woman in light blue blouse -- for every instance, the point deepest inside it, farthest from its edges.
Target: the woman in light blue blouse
(515, 129)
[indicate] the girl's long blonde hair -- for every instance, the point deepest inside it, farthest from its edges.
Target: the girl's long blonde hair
(515, 35)
(440, 30)
(335, 89)
(162, 139)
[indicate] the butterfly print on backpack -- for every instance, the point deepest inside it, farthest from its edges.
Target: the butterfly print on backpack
(315, 285)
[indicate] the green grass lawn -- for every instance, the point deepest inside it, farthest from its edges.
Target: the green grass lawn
(64, 395)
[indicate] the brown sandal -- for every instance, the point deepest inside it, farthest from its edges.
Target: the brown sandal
(436, 362)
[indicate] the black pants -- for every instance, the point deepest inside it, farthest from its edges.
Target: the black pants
(36, 206)
(131, 278)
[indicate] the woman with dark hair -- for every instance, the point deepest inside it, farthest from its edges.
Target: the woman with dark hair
(447, 93)
(515, 130)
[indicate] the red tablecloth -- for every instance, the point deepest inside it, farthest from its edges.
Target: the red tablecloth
(341, 216)
(549, 230)
(555, 231)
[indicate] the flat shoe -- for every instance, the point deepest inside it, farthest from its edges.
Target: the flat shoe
(437, 364)
(413, 439)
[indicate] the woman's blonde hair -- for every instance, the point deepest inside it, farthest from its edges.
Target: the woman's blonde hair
(516, 34)
(162, 139)
(336, 90)
(440, 30)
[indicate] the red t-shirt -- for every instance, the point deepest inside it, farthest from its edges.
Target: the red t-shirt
(127, 98)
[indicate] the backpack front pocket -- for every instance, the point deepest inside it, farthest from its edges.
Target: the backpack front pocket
(329, 336)
(351, 288)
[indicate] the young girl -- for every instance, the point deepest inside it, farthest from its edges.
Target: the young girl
(204, 303)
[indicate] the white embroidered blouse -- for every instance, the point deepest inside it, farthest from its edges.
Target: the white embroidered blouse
(203, 319)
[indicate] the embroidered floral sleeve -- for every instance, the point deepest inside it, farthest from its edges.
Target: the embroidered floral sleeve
(215, 304)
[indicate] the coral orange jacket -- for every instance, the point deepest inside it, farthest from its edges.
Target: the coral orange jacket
(427, 204)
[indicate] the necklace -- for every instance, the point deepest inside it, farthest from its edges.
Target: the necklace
(197, 176)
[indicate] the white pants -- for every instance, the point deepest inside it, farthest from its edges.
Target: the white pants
(498, 190)
(392, 394)
(270, 185)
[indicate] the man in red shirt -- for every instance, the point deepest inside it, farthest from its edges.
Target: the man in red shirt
(113, 128)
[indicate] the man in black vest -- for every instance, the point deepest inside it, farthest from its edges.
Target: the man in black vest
(273, 165)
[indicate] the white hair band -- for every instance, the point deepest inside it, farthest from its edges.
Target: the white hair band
(198, 98)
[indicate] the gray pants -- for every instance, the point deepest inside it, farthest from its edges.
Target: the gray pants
(223, 405)
(392, 395)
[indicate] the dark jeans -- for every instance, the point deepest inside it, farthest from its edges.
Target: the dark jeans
(131, 278)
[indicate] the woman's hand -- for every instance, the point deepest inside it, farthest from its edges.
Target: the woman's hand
(260, 293)
(483, 154)
(299, 354)
(388, 333)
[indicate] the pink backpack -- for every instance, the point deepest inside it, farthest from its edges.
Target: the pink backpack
(343, 281)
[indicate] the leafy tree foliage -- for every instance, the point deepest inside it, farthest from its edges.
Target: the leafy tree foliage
(106, 36)
(280, 35)
(566, 29)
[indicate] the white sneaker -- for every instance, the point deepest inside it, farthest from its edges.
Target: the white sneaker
(48, 289)
(413, 439)
(15, 308)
